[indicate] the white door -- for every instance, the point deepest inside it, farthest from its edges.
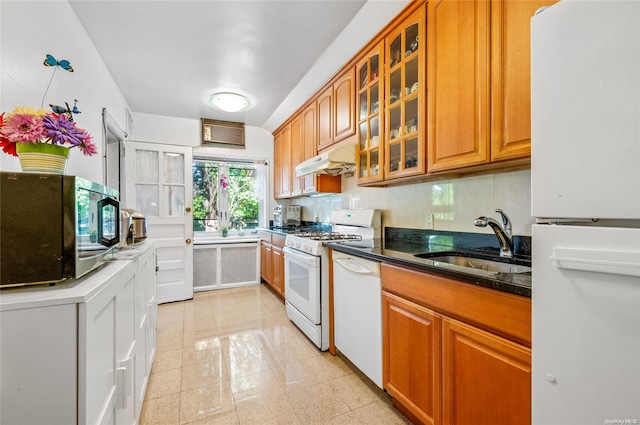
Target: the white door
(586, 325)
(158, 183)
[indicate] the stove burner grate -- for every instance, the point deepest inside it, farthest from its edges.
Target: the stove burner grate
(328, 236)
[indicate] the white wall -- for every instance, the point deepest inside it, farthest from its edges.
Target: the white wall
(29, 30)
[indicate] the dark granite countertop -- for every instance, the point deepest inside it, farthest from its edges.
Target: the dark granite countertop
(402, 252)
(275, 231)
(306, 226)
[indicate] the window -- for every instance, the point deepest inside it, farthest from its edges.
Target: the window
(228, 193)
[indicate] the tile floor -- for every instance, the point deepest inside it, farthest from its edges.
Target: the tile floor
(233, 357)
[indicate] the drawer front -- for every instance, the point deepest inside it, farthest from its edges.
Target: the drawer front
(505, 314)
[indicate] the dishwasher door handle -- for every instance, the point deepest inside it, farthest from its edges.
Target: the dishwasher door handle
(353, 266)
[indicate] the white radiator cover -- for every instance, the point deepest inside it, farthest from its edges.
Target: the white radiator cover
(224, 265)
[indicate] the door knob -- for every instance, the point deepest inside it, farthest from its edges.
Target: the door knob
(188, 209)
(188, 241)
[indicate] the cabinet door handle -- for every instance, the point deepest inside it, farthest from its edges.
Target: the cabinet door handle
(124, 380)
(188, 209)
(188, 241)
(121, 384)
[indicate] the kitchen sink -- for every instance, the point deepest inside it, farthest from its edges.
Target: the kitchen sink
(465, 260)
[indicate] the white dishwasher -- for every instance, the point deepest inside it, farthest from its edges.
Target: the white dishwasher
(357, 312)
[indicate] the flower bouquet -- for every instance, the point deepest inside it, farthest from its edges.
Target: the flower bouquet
(42, 139)
(38, 126)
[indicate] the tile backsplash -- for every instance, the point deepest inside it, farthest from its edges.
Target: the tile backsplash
(453, 203)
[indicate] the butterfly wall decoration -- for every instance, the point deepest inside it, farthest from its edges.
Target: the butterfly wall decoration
(49, 60)
(64, 64)
(66, 109)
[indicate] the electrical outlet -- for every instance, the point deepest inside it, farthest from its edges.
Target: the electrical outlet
(428, 221)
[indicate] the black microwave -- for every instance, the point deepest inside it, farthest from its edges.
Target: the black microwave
(54, 227)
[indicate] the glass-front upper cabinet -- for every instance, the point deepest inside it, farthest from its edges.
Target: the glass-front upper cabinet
(404, 130)
(370, 89)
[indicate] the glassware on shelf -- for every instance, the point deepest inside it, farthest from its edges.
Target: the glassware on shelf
(363, 76)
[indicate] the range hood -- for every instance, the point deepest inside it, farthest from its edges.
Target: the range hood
(339, 160)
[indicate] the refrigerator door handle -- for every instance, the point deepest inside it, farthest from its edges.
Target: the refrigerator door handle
(600, 261)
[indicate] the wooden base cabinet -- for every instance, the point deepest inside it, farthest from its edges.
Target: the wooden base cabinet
(277, 281)
(453, 352)
(272, 261)
(411, 360)
(486, 379)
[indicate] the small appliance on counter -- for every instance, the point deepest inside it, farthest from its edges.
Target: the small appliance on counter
(139, 226)
(126, 229)
(54, 227)
(286, 215)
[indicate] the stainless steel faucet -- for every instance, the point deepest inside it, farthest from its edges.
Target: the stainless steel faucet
(502, 231)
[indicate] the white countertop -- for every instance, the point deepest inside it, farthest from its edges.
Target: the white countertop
(71, 291)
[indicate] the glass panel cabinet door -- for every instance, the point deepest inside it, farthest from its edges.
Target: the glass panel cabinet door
(370, 89)
(404, 138)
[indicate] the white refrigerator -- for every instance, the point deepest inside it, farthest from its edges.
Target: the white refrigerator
(585, 195)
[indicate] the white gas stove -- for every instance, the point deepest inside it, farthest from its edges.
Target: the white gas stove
(306, 272)
(353, 227)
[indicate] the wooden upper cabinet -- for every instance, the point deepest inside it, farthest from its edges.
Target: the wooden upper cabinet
(277, 165)
(285, 152)
(297, 155)
(404, 97)
(336, 111)
(458, 79)
(344, 104)
(282, 163)
(293, 144)
(511, 77)
(369, 115)
(325, 118)
(309, 144)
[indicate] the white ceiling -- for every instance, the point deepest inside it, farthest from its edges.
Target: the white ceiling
(168, 57)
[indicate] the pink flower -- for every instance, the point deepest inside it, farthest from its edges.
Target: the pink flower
(87, 147)
(24, 128)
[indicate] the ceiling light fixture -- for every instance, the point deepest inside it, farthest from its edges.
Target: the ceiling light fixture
(229, 102)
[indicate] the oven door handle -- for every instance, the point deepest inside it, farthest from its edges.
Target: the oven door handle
(301, 257)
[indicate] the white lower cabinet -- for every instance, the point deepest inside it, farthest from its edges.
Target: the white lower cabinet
(145, 324)
(38, 365)
(106, 356)
(86, 362)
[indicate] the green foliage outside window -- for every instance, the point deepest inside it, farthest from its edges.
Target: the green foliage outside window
(241, 185)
